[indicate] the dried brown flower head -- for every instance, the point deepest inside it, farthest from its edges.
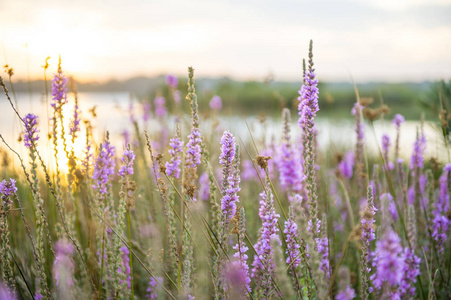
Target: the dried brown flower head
(371, 114)
(262, 161)
(365, 101)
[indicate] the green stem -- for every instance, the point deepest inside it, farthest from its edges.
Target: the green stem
(130, 253)
(101, 266)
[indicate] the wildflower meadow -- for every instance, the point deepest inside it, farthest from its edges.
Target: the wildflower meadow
(171, 210)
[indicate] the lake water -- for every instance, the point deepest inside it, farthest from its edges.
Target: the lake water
(112, 111)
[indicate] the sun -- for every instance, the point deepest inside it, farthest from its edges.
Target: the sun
(74, 38)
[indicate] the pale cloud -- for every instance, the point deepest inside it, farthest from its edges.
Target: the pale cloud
(399, 5)
(375, 40)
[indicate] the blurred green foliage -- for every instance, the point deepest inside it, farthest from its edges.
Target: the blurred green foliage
(336, 99)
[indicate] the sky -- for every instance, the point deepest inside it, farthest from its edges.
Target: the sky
(372, 40)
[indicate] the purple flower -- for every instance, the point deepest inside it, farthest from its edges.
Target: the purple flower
(291, 236)
(308, 97)
(411, 272)
(31, 132)
(416, 160)
(367, 228)
(387, 198)
(126, 265)
(308, 107)
(204, 183)
(75, 122)
(173, 166)
(440, 226)
(193, 150)
(385, 149)
(230, 180)
(322, 245)
(367, 224)
(171, 81)
(360, 130)
(63, 267)
(59, 91)
(6, 294)
(347, 294)
(346, 165)
(160, 108)
(398, 120)
(308, 101)
(104, 168)
(249, 172)
(236, 272)
(389, 261)
(442, 203)
(227, 149)
(263, 264)
(216, 103)
(127, 159)
(8, 188)
(152, 289)
(290, 169)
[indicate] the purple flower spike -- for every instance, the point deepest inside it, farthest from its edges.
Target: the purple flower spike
(398, 120)
(193, 150)
(227, 149)
(173, 166)
(389, 261)
(263, 264)
(75, 122)
(172, 81)
(127, 159)
(416, 161)
(31, 132)
(347, 294)
(293, 247)
(347, 165)
(360, 129)
(152, 289)
(126, 265)
(6, 294)
(8, 188)
(236, 274)
(204, 183)
(411, 272)
(59, 90)
(308, 97)
(440, 226)
(230, 182)
(385, 144)
(385, 149)
(322, 245)
(64, 266)
(288, 162)
(216, 103)
(104, 168)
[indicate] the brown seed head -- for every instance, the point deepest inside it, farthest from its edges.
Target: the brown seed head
(262, 161)
(371, 114)
(365, 101)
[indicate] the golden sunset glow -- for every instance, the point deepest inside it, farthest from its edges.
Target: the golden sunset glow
(113, 40)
